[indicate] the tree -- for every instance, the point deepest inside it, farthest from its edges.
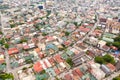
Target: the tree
(6, 45)
(117, 38)
(6, 76)
(108, 43)
(117, 44)
(12, 25)
(23, 40)
(116, 78)
(67, 33)
(44, 34)
(75, 23)
(99, 60)
(109, 59)
(24, 68)
(1, 32)
(70, 62)
(2, 41)
(43, 71)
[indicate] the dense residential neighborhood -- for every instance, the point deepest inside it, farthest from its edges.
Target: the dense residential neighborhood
(59, 40)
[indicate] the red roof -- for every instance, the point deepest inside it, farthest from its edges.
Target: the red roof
(68, 77)
(58, 58)
(113, 47)
(83, 29)
(2, 61)
(26, 47)
(74, 73)
(57, 71)
(41, 55)
(45, 64)
(12, 51)
(67, 43)
(79, 72)
(37, 67)
(50, 38)
(111, 67)
(52, 61)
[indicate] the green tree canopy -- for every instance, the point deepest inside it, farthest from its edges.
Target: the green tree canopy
(6, 45)
(67, 33)
(70, 62)
(6, 76)
(109, 59)
(99, 60)
(116, 78)
(105, 59)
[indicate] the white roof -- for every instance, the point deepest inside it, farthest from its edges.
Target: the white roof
(43, 65)
(28, 77)
(62, 65)
(102, 42)
(48, 63)
(1, 56)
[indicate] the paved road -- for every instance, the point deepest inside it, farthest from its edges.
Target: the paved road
(6, 53)
(8, 68)
(90, 30)
(115, 74)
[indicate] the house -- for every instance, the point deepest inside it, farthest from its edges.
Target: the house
(105, 48)
(37, 67)
(77, 74)
(95, 70)
(12, 51)
(42, 76)
(112, 26)
(58, 58)
(67, 43)
(81, 46)
(57, 71)
(68, 77)
(51, 48)
(105, 69)
(31, 45)
(47, 63)
(83, 30)
(111, 67)
(79, 59)
(101, 43)
(2, 58)
(63, 66)
(117, 66)
(52, 61)
(103, 20)
(41, 46)
(51, 72)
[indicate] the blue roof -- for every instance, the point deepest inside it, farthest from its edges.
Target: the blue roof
(52, 46)
(64, 38)
(117, 52)
(40, 7)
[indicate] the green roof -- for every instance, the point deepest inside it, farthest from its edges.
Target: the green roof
(88, 76)
(42, 76)
(51, 71)
(64, 56)
(14, 64)
(2, 67)
(70, 53)
(109, 35)
(29, 57)
(108, 39)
